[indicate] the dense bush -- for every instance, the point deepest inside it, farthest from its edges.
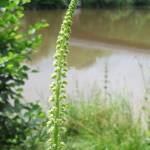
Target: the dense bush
(104, 3)
(48, 4)
(141, 2)
(87, 3)
(113, 3)
(15, 47)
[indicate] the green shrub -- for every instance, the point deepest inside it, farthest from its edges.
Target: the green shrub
(15, 48)
(88, 3)
(141, 2)
(105, 3)
(48, 4)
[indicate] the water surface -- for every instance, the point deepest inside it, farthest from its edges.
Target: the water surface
(108, 48)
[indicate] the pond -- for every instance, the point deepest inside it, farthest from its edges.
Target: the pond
(109, 53)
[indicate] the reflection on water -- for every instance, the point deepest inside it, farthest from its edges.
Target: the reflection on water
(119, 37)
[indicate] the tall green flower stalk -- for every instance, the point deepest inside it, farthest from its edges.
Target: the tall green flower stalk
(57, 112)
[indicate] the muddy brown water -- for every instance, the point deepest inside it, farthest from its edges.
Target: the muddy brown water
(108, 48)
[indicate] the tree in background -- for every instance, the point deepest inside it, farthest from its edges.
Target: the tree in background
(87, 3)
(48, 4)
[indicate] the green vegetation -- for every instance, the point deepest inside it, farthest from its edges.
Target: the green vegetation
(96, 125)
(113, 3)
(15, 48)
(56, 114)
(88, 3)
(47, 4)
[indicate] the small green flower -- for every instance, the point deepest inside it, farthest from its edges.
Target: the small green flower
(57, 112)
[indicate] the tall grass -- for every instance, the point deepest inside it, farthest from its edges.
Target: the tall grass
(97, 126)
(145, 103)
(56, 114)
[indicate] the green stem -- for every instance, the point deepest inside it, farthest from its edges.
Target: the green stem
(59, 75)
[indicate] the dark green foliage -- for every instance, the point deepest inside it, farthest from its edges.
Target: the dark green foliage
(141, 2)
(25, 129)
(15, 47)
(105, 3)
(113, 3)
(48, 4)
(35, 131)
(87, 3)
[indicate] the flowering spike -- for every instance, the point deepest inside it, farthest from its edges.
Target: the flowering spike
(56, 114)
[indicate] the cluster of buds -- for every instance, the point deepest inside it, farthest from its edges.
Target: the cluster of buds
(56, 113)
